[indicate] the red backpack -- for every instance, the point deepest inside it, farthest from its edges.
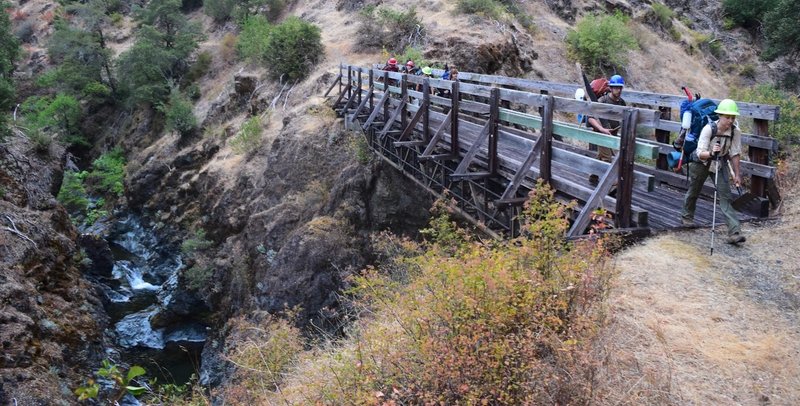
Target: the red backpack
(600, 87)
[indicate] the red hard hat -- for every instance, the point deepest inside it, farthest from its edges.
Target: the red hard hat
(410, 63)
(392, 61)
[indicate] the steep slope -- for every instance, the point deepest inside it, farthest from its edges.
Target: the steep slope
(689, 328)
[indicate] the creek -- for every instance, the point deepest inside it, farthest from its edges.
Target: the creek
(141, 295)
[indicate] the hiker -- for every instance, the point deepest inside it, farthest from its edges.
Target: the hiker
(451, 74)
(614, 96)
(391, 65)
(411, 69)
(428, 73)
(717, 152)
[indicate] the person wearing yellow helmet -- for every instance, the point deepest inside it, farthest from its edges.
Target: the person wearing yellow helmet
(721, 142)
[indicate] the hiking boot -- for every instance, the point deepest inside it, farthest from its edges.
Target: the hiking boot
(688, 223)
(735, 238)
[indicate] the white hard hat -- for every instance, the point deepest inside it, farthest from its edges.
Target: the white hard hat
(579, 94)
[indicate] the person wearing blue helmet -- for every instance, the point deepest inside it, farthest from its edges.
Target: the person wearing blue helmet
(614, 96)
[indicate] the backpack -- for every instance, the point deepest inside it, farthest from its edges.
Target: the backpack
(702, 112)
(600, 87)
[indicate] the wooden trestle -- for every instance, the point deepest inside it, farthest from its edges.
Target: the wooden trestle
(489, 138)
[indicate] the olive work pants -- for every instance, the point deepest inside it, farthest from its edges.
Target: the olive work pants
(698, 173)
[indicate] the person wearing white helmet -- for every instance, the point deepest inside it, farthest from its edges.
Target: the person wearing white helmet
(721, 142)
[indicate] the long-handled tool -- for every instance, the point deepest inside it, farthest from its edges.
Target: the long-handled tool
(744, 199)
(714, 211)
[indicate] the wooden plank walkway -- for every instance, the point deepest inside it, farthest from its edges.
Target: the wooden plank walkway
(474, 146)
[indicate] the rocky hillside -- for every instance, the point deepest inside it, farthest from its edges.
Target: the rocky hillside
(290, 218)
(51, 321)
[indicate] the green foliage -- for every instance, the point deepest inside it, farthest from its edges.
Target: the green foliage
(468, 322)
(196, 243)
(748, 13)
(198, 276)
(664, 14)
(159, 57)
(601, 42)
(200, 67)
(179, 114)
(293, 48)
(219, 10)
(249, 136)
(252, 43)
(72, 193)
(787, 128)
(108, 173)
(124, 382)
(40, 140)
(9, 53)
(748, 71)
(60, 114)
(384, 28)
(782, 30)
(485, 8)
(415, 54)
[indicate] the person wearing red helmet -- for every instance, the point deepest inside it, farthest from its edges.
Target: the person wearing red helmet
(391, 65)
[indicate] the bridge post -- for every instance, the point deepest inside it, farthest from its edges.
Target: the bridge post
(349, 83)
(359, 87)
(426, 114)
(627, 153)
(340, 77)
(386, 90)
(494, 117)
(371, 86)
(404, 100)
(662, 136)
(545, 159)
(454, 97)
(758, 185)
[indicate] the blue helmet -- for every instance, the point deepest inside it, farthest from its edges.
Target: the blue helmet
(616, 80)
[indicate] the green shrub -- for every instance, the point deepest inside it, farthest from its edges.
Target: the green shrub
(108, 173)
(200, 67)
(664, 14)
(198, 242)
(748, 71)
(219, 10)
(40, 140)
(787, 128)
(782, 30)
(293, 49)
(252, 42)
(748, 13)
(601, 42)
(179, 114)
(249, 136)
(72, 193)
(383, 28)
(486, 8)
(198, 277)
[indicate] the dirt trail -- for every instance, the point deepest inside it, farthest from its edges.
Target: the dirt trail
(689, 328)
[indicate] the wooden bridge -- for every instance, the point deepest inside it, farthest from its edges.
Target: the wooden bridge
(485, 140)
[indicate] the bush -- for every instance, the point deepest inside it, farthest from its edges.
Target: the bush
(108, 173)
(748, 13)
(383, 28)
(463, 322)
(782, 30)
(486, 8)
(198, 242)
(787, 128)
(249, 137)
(664, 14)
(748, 71)
(252, 43)
(601, 42)
(293, 49)
(219, 10)
(72, 193)
(179, 114)
(40, 140)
